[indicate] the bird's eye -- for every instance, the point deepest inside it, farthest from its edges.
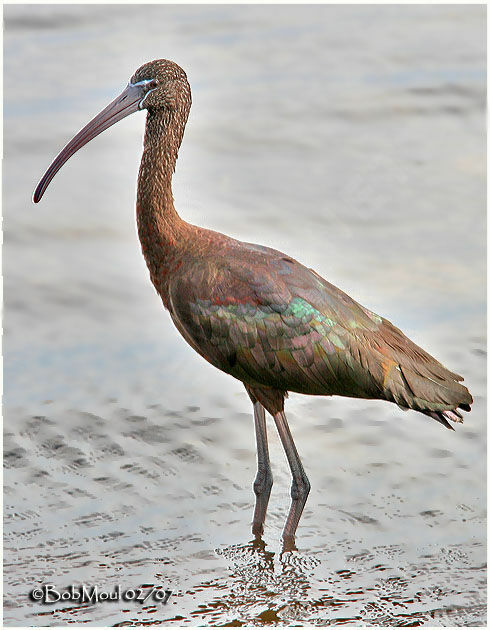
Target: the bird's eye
(153, 84)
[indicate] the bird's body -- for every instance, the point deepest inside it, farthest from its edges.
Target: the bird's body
(256, 313)
(274, 324)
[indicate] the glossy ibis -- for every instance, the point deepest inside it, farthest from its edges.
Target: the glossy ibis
(254, 312)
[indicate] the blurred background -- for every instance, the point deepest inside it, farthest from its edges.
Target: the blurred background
(351, 137)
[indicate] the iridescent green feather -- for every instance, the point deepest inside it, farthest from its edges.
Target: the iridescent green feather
(273, 323)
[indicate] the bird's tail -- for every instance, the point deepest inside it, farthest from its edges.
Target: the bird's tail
(438, 394)
(450, 414)
(415, 380)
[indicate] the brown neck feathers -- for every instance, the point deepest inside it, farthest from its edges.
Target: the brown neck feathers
(161, 231)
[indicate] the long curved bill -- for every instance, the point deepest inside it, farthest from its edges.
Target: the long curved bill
(126, 103)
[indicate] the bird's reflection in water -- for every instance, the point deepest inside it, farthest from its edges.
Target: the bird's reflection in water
(264, 582)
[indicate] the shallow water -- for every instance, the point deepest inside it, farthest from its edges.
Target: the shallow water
(352, 138)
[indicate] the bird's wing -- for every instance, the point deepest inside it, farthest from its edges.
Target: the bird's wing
(268, 320)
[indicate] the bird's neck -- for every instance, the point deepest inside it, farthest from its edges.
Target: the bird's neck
(163, 234)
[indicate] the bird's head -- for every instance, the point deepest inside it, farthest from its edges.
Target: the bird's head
(159, 86)
(164, 84)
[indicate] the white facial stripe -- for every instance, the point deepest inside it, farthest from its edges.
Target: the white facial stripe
(144, 82)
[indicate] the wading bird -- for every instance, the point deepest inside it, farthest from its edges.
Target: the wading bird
(254, 312)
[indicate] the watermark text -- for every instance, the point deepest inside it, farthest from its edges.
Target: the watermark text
(85, 594)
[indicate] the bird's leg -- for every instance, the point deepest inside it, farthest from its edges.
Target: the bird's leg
(263, 480)
(300, 486)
